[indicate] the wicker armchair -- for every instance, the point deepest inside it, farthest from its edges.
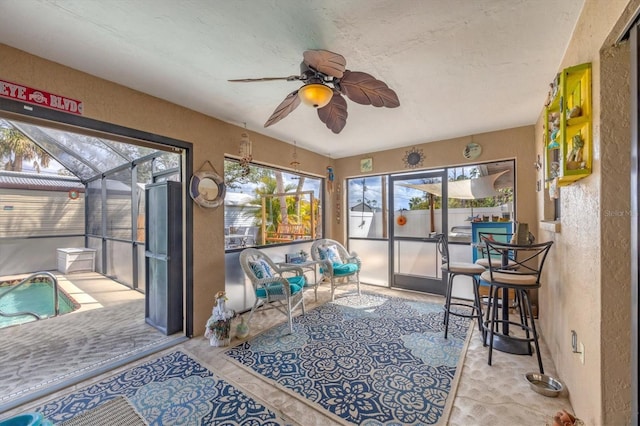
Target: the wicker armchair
(337, 265)
(272, 288)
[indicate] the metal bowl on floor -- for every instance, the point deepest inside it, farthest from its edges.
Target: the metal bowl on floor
(543, 384)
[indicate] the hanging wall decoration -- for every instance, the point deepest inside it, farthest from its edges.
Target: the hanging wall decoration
(472, 151)
(402, 219)
(330, 178)
(295, 164)
(366, 165)
(206, 187)
(413, 158)
(246, 153)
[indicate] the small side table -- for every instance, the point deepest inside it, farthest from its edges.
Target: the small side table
(307, 266)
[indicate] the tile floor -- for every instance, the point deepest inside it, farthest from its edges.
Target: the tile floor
(115, 331)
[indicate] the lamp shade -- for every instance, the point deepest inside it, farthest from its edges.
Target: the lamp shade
(315, 94)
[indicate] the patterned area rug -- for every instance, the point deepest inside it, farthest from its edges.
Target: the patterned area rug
(368, 360)
(171, 390)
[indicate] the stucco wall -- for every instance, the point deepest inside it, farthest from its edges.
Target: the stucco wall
(211, 139)
(515, 143)
(586, 285)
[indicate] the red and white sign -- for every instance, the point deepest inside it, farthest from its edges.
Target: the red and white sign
(40, 97)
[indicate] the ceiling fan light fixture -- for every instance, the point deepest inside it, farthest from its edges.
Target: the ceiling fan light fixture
(315, 95)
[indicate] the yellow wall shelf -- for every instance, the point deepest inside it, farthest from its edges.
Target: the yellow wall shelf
(568, 120)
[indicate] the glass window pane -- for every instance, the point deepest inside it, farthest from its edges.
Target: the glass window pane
(119, 204)
(128, 151)
(94, 207)
(479, 193)
(270, 206)
(72, 160)
(366, 207)
(166, 161)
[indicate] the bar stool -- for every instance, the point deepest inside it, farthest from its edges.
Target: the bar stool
(454, 269)
(521, 278)
(483, 260)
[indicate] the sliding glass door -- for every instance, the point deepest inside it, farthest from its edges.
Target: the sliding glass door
(416, 215)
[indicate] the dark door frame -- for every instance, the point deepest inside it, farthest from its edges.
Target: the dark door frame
(31, 112)
(422, 284)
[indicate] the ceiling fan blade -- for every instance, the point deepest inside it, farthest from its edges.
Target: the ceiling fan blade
(251, 80)
(329, 63)
(334, 114)
(364, 89)
(290, 103)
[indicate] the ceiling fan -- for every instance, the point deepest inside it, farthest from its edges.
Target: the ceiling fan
(325, 81)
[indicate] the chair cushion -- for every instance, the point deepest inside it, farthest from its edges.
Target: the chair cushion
(513, 279)
(261, 269)
(296, 284)
(343, 269)
(463, 268)
(495, 262)
(330, 253)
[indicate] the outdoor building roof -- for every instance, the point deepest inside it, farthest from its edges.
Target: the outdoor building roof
(22, 180)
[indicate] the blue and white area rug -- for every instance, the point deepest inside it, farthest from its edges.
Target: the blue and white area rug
(171, 390)
(367, 360)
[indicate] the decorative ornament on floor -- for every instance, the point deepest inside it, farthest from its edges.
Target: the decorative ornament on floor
(564, 418)
(413, 158)
(242, 329)
(219, 324)
(246, 152)
(326, 79)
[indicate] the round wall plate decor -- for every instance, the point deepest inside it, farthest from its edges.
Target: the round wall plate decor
(207, 189)
(413, 158)
(472, 151)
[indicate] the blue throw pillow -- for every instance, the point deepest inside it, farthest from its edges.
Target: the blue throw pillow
(261, 269)
(330, 253)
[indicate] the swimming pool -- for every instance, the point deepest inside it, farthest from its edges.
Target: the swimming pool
(34, 297)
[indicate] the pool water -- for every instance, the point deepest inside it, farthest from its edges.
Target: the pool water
(35, 297)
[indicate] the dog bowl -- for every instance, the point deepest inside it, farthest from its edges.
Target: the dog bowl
(543, 384)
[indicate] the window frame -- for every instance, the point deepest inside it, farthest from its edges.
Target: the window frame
(262, 232)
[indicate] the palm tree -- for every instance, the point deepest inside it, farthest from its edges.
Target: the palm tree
(269, 185)
(17, 148)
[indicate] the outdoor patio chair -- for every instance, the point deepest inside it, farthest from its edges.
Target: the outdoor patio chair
(337, 265)
(275, 286)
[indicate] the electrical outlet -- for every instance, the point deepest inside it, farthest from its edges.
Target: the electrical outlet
(582, 353)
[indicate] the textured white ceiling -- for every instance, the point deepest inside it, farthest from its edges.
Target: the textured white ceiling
(459, 67)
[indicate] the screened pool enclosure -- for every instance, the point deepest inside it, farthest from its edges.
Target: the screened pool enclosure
(99, 180)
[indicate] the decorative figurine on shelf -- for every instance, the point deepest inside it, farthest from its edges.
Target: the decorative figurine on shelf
(219, 324)
(574, 112)
(330, 178)
(577, 143)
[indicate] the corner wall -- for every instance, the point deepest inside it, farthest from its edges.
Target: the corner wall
(587, 275)
(506, 144)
